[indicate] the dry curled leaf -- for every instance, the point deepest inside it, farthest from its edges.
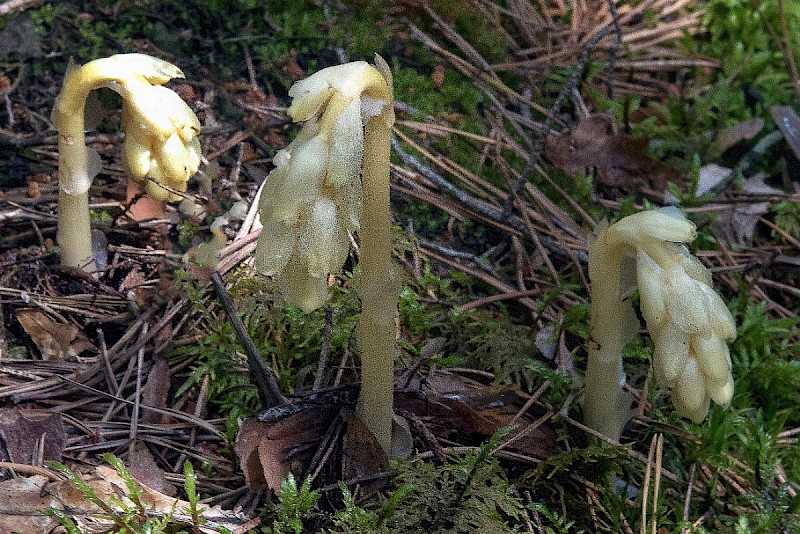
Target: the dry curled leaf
(737, 224)
(33, 190)
(22, 504)
(28, 435)
(622, 161)
(741, 131)
(287, 438)
(53, 339)
(144, 469)
(462, 409)
(291, 68)
(112, 489)
(362, 455)
(156, 390)
(269, 451)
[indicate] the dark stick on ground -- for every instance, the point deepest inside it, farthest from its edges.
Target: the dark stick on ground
(268, 390)
(536, 152)
(612, 52)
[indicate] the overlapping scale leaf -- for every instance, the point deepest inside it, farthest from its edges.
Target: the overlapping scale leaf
(315, 189)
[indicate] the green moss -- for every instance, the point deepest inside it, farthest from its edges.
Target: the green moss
(187, 230)
(464, 495)
(100, 216)
(43, 17)
(363, 28)
(787, 217)
(473, 26)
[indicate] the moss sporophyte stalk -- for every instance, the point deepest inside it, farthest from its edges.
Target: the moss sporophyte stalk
(332, 179)
(688, 321)
(160, 140)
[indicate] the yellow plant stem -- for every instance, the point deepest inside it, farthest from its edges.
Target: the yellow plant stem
(379, 290)
(161, 139)
(74, 235)
(606, 406)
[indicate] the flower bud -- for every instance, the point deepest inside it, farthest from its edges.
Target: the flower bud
(689, 393)
(712, 357)
(721, 394)
(651, 297)
(688, 321)
(670, 354)
(686, 303)
(159, 126)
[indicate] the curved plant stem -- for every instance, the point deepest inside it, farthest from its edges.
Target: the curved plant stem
(161, 139)
(74, 237)
(607, 407)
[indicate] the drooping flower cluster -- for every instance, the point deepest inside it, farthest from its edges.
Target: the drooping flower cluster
(160, 134)
(160, 129)
(161, 140)
(688, 322)
(313, 197)
(690, 325)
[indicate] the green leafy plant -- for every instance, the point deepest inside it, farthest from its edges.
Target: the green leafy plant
(129, 513)
(464, 495)
(294, 505)
(559, 524)
(354, 519)
(787, 218)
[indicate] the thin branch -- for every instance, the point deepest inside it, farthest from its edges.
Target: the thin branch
(614, 49)
(489, 212)
(268, 389)
(536, 152)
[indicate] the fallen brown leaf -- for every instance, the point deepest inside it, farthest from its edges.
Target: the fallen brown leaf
(23, 431)
(437, 76)
(362, 455)
(142, 206)
(269, 451)
(110, 488)
(737, 224)
(622, 161)
(145, 470)
(473, 414)
(53, 339)
(22, 504)
(742, 131)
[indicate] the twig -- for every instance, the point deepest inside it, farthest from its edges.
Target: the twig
(489, 212)
(200, 405)
(177, 414)
(687, 501)
(326, 345)
(32, 470)
(9, 6)
(137, 398)
(268, 390)
(612, 51)
(536, 152)
(788, 50)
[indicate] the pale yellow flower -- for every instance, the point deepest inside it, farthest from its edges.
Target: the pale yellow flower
(312, 199)
(160, 142)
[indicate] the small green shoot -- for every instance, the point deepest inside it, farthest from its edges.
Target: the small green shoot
(294, 505)
(131, 513)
